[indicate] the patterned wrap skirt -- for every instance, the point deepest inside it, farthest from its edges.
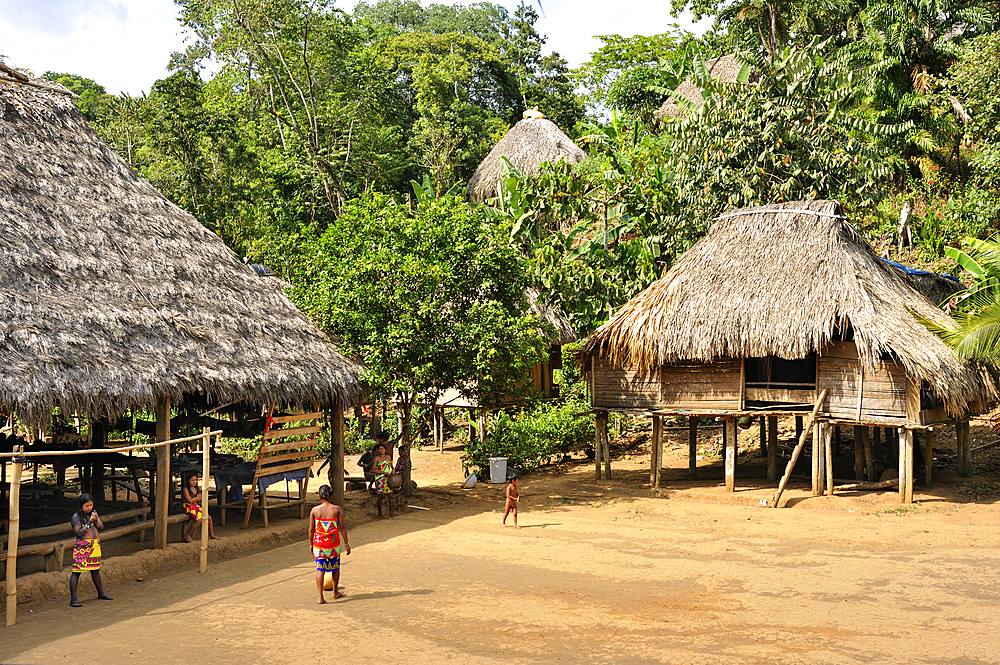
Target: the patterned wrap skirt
(86, 555)
(326, 546)
(194, 510)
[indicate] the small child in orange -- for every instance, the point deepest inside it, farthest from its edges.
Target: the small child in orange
(510, 505)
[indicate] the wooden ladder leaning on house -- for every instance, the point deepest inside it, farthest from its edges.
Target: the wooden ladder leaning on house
(290, 445)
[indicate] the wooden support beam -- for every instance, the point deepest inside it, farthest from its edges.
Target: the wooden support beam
(162, 498)
(336, 472)
(598, 443)
(929, 458)
(607, 447)
(798, 427)
(730, 429)
(772, 448)
(654, 444)
(206, 447)
(869, 460)
(905, 465)
(817, 445)
(763, 436)
(13, 526)
(798, 448)
(693, 447)
(828, 441)
(859, 459)
(964, 448)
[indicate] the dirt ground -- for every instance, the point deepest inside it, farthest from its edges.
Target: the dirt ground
(601, 571)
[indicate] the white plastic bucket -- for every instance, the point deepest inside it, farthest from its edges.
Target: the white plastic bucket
(498, 469)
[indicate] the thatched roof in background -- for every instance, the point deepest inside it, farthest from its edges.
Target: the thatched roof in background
(112, 297)
(527, 145)
(777, 283)
(725, 69)
(564, 333)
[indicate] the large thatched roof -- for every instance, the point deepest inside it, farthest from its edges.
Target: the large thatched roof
(112, 297)
(527, 145)
(768, 282)
(725, 68)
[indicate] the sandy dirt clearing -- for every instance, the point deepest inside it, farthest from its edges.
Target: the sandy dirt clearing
(600, 572)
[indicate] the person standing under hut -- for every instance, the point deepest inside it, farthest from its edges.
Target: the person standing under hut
(87, 549)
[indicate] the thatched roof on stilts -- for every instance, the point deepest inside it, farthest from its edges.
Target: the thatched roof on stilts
(779, 280)
(111, 297)
(527, 145)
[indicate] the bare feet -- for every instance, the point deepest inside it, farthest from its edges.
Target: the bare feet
(105, 597)
(338, 594)
(322, 601)
(188, 538)
(216, 538)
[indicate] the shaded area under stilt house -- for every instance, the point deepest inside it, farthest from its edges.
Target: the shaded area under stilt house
(785, 310)
(115, 300)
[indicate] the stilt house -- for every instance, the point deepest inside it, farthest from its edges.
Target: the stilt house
(780, 309)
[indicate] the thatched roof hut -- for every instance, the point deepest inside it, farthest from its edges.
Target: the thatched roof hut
(725, 69)
(540, 307)
(112, 297)
(527, 145)
(785, 280)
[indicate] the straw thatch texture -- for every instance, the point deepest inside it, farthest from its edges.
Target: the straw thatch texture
(764, 283)
(527, 145)
(563, 331)
(113, 297)
(725, 69)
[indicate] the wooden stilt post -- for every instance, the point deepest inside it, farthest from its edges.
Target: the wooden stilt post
(336, 472)
(659, 452)
(763, 436)
(654, 445)
(964, 449)
(828, 457)
(876, 443)
(598, 444)
(929, 458)
(13, 527)
(798, 427)
(772, 448)
(905, 465)
(817, 446)
(869, 461)
(606, 440)
(798, 448)
(206, 447)
(859, 459)
(730, 427)
(693, 447)
(162, 499)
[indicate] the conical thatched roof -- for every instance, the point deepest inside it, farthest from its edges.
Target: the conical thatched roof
(112, 297)
(527, 145)
(767, 282)
(564, 333)
(725, 69)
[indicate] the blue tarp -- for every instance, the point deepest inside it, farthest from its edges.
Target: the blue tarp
(916, 271)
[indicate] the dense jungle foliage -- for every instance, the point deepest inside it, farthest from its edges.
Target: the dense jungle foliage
(315, 116)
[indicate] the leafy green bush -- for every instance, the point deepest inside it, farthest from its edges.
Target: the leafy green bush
(531, 437)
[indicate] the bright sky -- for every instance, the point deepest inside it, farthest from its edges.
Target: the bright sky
(125, 44)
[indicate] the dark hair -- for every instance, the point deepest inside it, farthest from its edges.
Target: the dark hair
(84, 498)
(325, 492)
(382, 436)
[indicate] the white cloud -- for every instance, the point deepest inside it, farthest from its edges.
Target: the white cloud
(125, 45)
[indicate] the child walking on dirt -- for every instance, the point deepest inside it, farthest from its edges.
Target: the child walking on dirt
(510, 505)
(326, 526)
(191, 494)
(87, 549)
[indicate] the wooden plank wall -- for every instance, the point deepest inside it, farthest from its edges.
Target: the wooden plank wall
(839, 370)
(687, 385)
(697, 385)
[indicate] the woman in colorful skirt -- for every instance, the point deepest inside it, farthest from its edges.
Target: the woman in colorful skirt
(383, 469)
(87, 549)
(326, 526)
(191, 493)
